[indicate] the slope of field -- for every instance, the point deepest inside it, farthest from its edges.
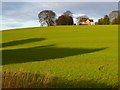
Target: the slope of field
(68, 56)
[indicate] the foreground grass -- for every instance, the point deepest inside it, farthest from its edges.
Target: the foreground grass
(72, 56)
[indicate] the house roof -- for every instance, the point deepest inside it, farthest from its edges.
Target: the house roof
(83, 19)
(91, 20)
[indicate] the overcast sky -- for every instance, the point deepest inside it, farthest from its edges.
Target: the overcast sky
(25, 14)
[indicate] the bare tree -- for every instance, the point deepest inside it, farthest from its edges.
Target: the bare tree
(68, 13)
(48, 17)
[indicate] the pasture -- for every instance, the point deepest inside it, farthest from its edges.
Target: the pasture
(60, 56)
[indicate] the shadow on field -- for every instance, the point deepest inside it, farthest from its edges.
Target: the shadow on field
(80, 83)
(42, 53)
(49, 81)
(18, 42)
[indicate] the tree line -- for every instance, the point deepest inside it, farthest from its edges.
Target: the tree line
(106, 20)
(50, 18)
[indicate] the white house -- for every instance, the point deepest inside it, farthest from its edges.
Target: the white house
(86, 21)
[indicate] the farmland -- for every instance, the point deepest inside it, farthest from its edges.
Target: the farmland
(63, 56)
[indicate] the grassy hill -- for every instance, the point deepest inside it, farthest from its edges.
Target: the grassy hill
(61, 56)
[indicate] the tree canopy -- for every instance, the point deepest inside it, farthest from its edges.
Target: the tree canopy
(104, 21)
(48, 17)
(64, 20)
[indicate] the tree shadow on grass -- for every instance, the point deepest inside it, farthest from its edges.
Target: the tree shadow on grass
(42, 53)
(18, 42)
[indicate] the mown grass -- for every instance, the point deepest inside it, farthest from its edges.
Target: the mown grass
(74, 56)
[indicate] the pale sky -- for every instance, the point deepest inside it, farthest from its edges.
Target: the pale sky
(25, 14)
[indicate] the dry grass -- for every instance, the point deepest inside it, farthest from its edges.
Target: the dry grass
(25, 80)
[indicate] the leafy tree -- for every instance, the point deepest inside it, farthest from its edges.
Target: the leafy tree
(106, 20)
(100, 21)
(64, 20)
(47, 16)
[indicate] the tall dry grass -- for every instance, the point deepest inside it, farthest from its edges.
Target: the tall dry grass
(25, 80)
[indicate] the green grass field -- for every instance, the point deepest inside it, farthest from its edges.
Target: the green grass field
(67, 56)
